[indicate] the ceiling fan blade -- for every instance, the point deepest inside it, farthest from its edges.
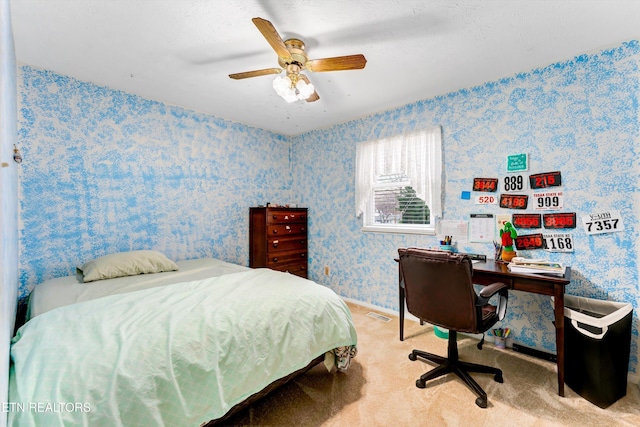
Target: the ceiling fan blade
(314, 96)
(269, 32)
(256, 73)
(338, 63)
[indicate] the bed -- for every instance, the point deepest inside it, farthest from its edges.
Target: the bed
(186, 347)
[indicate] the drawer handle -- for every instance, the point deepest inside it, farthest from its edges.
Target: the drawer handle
(302, 242)
(275, 231)
(302, 255)
(275, 244)
(275, 259)
(275, 217)
(302, 229)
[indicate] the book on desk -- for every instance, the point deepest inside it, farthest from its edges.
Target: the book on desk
(536, 266)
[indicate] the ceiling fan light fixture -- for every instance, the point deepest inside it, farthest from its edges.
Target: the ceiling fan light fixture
(282, 86)
(290, 92)
(305, 90)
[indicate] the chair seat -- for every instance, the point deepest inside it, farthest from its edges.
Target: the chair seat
(489, 316)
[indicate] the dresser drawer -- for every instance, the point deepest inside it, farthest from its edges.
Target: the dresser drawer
(286, 243)
(299, 269)
(285, 230)
(285, 216)
(286, 257)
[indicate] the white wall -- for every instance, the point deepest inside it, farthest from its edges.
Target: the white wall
(8, 198)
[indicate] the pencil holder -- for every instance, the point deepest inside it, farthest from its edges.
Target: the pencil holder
(500, 342)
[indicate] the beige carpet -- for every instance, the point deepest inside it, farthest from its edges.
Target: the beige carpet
(379, 389)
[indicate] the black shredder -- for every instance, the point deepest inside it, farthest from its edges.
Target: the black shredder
(597, 347)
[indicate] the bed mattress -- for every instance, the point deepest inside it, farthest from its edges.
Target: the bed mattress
(67, 290)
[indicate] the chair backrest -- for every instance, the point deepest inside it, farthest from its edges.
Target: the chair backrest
(439, 288)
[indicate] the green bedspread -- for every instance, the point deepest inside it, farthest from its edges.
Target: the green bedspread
(178, 355)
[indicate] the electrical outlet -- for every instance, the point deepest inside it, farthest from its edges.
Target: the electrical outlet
(326, 270)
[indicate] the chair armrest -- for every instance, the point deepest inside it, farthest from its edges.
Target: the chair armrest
(488, 291)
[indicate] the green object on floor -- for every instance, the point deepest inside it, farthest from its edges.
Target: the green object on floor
(441, 332)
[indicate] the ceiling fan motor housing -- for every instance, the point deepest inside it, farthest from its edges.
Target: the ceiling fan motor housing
(298, 56)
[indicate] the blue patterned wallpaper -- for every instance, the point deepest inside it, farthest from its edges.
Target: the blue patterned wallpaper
(106, 171)
(579, 117)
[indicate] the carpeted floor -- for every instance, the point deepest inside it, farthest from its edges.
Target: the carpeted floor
(379, 389)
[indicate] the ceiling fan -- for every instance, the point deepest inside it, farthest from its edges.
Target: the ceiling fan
(293, 59)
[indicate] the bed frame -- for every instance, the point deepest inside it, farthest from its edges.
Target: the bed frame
(259, 395)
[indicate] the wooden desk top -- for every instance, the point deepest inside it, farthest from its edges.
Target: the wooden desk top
(491, 267)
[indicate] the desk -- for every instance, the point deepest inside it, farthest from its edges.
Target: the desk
(485, 273)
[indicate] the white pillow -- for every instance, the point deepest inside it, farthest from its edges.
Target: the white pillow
(126, 264)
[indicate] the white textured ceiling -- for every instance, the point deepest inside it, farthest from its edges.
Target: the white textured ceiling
(181, 51)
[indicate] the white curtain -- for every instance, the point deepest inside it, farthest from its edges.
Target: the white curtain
(417, 155)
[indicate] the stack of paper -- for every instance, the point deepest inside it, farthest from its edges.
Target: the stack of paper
(524, 265)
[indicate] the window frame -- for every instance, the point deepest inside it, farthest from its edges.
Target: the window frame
(434, 180)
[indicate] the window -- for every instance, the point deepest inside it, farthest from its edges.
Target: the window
(399, 181)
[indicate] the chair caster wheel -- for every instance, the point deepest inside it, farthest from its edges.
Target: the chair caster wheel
(413, 357)
(481, 402)
(420, 384)
(498, 378)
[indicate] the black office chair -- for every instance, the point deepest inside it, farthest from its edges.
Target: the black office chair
(439, 291)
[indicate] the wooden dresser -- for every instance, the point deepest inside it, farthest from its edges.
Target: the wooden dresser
(278, 239)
